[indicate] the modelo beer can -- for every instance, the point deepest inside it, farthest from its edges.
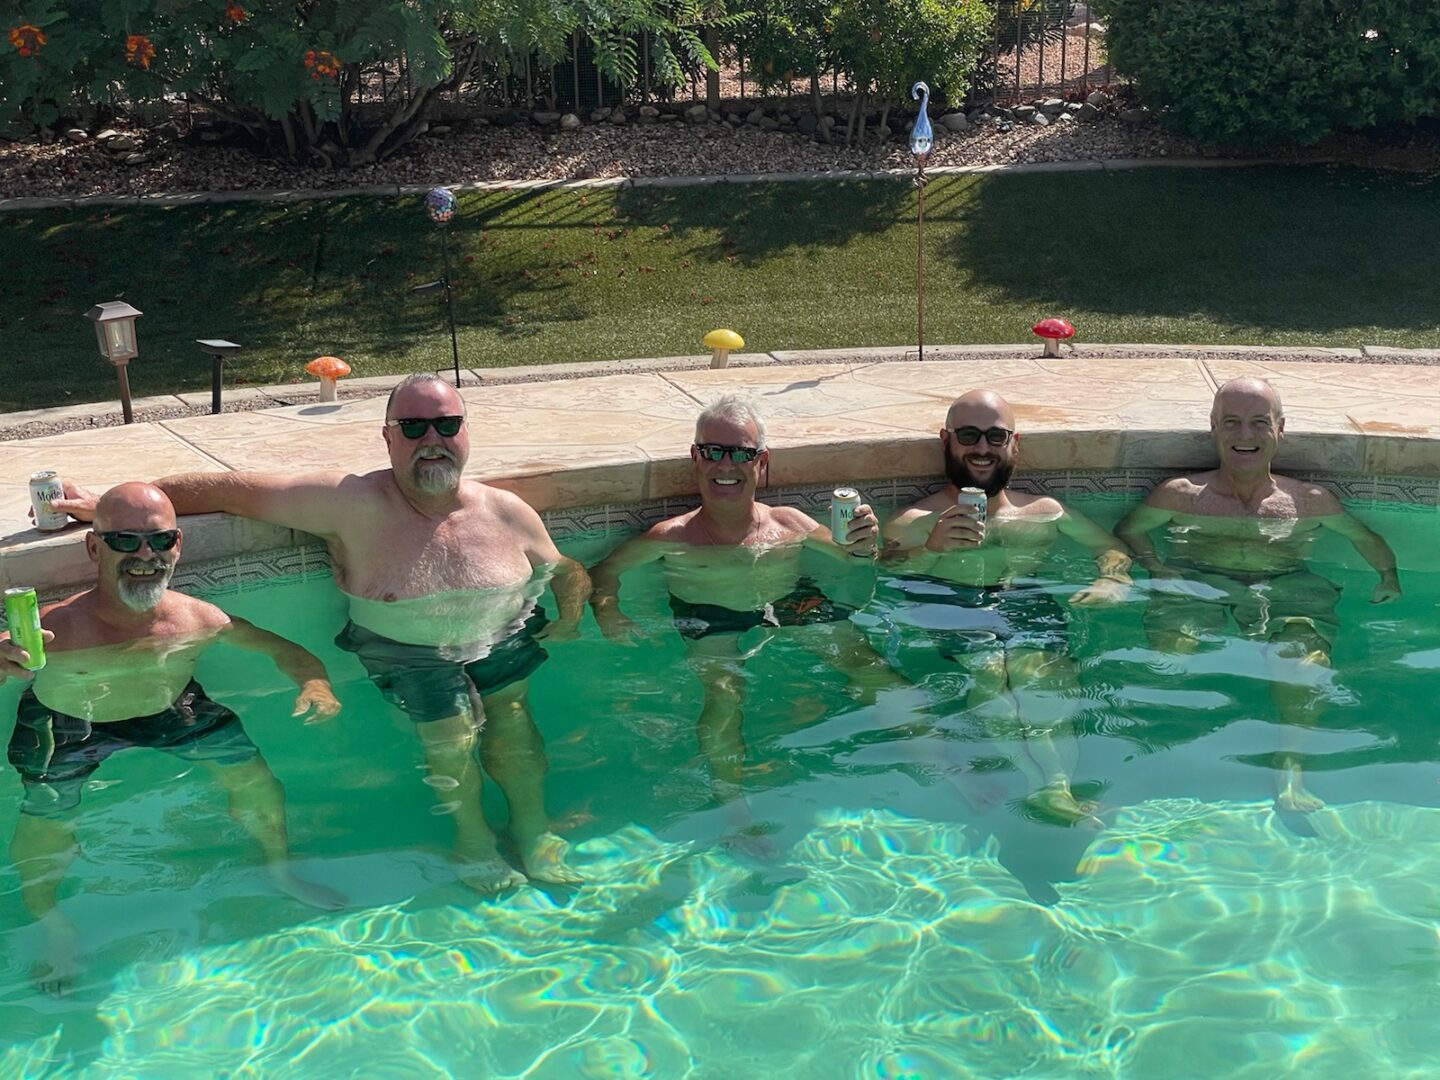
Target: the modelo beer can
(972, 496)
(22, 619)
(45, 488)
(843, 503)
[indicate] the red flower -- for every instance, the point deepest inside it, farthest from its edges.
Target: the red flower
(138, 50)
(27, 39)
(235, 13)
(321, 64)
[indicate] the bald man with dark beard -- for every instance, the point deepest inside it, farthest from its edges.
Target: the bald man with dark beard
(1238, 536)
(975, 578)
(120, 661)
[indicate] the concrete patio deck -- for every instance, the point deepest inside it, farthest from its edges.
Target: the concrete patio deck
(623, 438)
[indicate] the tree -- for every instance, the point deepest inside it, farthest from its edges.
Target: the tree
(290, 72)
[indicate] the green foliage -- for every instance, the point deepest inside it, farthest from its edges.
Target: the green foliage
(290, 71)
(1268, 72)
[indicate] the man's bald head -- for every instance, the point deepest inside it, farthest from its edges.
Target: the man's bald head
(134, 507)
(982, 409)
(1246, 394)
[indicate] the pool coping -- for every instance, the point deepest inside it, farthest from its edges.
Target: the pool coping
(859, 416)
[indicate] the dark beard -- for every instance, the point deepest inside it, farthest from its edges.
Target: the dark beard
(958, 473)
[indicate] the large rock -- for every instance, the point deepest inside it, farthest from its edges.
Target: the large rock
(599, 115)
(955, 121)
(121, 144)
(1099, 98)
(1139, 115)
(545, 119)
(807, 125)
(1040, 120)
(1088, 113)
(649, 112)
(1023, 113)
(769, 123)
(755, 116)
(77, 135)
(697, 114)
(617, 115)
(570, 122)
(1051, 106)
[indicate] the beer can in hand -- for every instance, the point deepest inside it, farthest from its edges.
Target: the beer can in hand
(975, 497)
(22, 619)
(45, 488)
(843, 503)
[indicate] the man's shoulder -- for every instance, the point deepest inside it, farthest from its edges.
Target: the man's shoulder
(1030, 505)
(194, 614)
(1181, 492)
(1310, 498)
(675, 530)
(933, 503)
(790, 517)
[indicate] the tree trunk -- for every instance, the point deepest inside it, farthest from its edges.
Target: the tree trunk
(712, 76)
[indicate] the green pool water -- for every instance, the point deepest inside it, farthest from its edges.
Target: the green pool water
(898, 934)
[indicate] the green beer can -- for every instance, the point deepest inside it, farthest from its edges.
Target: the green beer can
(22, 618)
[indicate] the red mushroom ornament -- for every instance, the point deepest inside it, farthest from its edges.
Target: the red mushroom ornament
(1053, 331)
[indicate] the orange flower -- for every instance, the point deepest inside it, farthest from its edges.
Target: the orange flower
(27, 39)
(138, 50)
(321, 64)
(235, 13)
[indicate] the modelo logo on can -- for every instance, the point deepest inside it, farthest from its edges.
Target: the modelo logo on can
(843, 503)
(45, 488)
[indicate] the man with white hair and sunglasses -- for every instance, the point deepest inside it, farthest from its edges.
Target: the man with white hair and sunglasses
(119, 673)
(734, 572)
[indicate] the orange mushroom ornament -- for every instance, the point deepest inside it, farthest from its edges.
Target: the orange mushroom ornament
(327, 369)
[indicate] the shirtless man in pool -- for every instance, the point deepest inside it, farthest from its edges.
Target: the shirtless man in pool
(119, 673)
(442, 577)
(733, 567)
(1238, 539)
(1008, 635)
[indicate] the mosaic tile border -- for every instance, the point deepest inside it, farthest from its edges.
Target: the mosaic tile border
(238, 572)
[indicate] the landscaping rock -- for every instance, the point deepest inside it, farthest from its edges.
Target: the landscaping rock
(649, 112)
(545, 119)
(122, 144)
(599, 115)
(1051, 106)
(1040, 120)
(754, 116)
(1138, 115)
(106, 135)
(955, 121)
(136, 159)
(77, 135)
(1088, 113)
(769, 123)
(697, 114)
(617, 116)
(664, 116)
(570, 122)
(807, 125)
(439, 129)
(1065, 118)
(1023, 113)
(1100, 98)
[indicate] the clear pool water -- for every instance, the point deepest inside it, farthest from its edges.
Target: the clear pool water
(896, 935)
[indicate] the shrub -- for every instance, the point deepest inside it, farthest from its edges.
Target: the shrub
(1268, 72)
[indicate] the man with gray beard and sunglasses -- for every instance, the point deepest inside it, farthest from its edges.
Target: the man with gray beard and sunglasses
(442, 577)
(119, 674)
(969, 582)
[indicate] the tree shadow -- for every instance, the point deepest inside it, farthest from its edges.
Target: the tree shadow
(1264, 249)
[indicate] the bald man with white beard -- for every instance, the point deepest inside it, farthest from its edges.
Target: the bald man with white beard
(120, 661)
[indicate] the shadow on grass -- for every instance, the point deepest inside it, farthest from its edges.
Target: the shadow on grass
(1267, 249)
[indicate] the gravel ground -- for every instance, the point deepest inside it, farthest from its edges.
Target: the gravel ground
(279, 396)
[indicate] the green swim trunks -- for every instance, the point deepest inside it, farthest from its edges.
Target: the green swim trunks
(55, 753)
(1261, 605)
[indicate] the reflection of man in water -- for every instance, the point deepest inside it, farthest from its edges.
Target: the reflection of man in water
(967, 577)
(1238, 538)
(119, 674)
(735, 578)
(442, 576)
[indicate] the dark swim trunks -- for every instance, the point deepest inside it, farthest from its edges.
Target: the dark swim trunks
(194, 728)
(962, 620)
(806, 605)
(430, 686)
(1263, 605)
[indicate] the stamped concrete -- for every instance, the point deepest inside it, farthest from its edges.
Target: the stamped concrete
(622, 436)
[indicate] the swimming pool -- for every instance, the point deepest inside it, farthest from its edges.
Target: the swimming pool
(895, 936)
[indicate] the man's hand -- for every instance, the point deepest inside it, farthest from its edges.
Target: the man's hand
(78, 502)
(860, 540)
(558, 630)
(618, 628)
(317, 697)
(956, 529)
(12, 656)
(1387, 589)
(1103, 590)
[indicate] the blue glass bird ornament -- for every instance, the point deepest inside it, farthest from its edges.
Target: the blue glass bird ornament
(922, 135)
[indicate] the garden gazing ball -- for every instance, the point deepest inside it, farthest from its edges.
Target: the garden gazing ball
(440, 205)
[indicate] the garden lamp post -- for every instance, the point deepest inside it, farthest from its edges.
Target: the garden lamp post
(922, 138)
(115, 329)
(218, 348)
(440, 208)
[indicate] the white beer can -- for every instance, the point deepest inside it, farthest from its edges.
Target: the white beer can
(45, 487)
(843, 503)
(972, 496)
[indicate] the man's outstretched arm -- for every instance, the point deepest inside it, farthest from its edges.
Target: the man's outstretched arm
(296, 663)
(1372, 548)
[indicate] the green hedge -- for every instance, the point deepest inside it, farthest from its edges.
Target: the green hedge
(1268, 72)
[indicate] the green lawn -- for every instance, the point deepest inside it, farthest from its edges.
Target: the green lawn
(1283, 256)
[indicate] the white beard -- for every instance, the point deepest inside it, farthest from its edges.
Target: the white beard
(143, 594)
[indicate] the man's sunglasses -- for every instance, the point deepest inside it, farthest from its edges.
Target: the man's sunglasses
(716, 452)
(995, 436)
(446, 427)
(127, 543)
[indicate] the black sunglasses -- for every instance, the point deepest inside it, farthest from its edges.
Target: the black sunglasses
(716, 452)
(995, 436)
(446, 427)
(127, 543)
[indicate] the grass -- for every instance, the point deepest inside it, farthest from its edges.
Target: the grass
(1281, 256)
